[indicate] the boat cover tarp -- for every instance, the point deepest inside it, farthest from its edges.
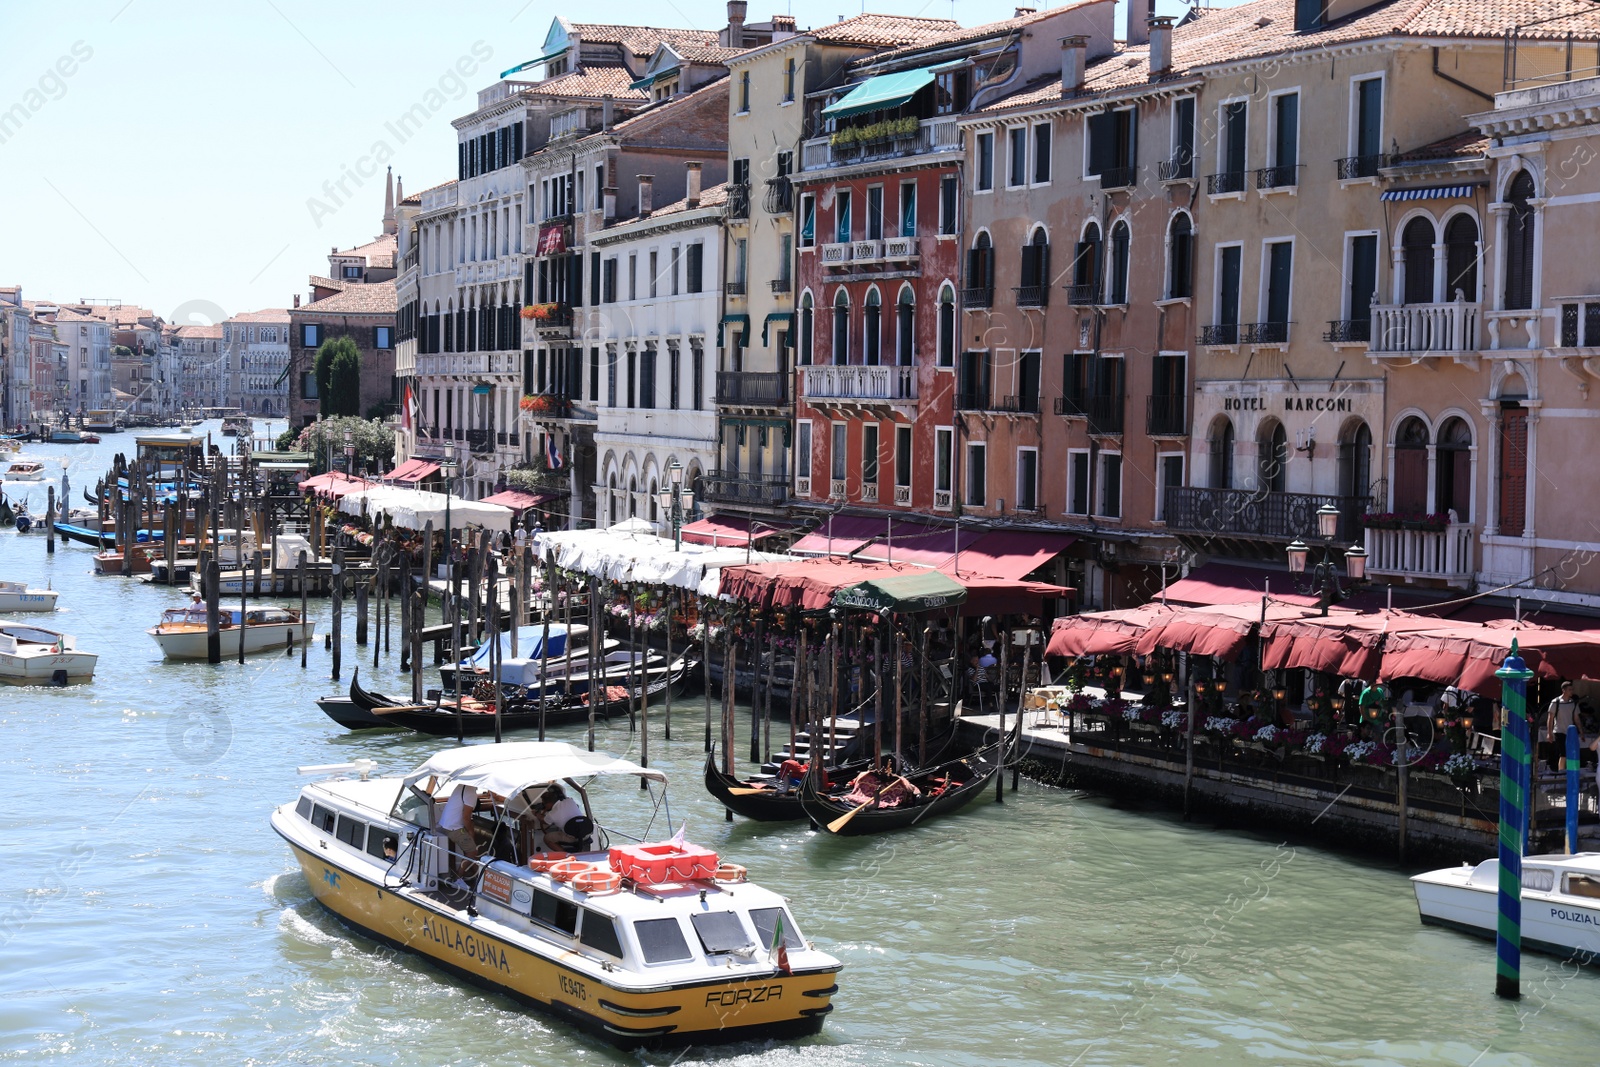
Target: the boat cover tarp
(507, 768)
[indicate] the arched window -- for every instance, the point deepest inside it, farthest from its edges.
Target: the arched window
(633, 498)
(905, 328)
(1086, 267)
(872, 329)
(1519, 242)
(1272, 457)
(1220, 444)
(654, 506)
(611, 500)
(807, 327)
(947, 327)
(1180, 257)
(841, 327)
(980, 270)
(1411, 467)
(1461, 258)
(1120, 240)
(1355, 460)
(1453, 469)
(1416, 256)
(1035, 269)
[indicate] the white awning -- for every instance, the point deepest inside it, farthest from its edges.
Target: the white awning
(508, 768)
(413, 509)
(620, 555)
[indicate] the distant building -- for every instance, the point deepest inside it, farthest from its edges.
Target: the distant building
(256, 350)
(201, 377)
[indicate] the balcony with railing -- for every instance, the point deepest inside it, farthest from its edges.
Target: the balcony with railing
(1105, 414)
(978, 296)
(1032, 296)
(1348, 331)
(752, 388)
(1119, 177)
(1180, 168)
(1083, 296)
(732, 487)
(733, 287)
(783, 285)
(844, 147)
(1351, 167)
(1258, 514)
(1284, 177)
(1072, 406)
(859, 384)
(1228, 181)
(1414, 329)
(780, 196)
(901, 248)
(869, 251)
(1222, 335)
(480, 441)
(552, 320)
(836, 253)
(1166, 415)
(1445, 554)
(738, 200)
(1265, 333)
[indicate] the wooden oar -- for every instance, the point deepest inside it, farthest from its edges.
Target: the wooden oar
(837, 824)
(401, 707)
(738, 792)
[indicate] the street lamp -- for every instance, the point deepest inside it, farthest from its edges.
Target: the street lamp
(447, 467)
(675, 501)
(350, 453)
(1324, 577)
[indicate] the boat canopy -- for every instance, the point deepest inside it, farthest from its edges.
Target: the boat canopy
(508, 768)
(528, 637)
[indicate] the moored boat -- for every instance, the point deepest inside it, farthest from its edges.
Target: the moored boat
(182, 634)
(764, 801)
(84, 535)
(32, 655)
(600, 938)
(16, 596)
(1560, 902)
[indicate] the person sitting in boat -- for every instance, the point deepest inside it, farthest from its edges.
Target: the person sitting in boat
(882, 785)
(791, 774)
(555, 811)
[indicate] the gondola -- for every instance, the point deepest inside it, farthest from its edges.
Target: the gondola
(354, 712)
(476, 718)
(85, 536)
(767, 804)
(945, 787)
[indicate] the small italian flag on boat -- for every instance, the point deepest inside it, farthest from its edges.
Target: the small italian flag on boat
(779, 952)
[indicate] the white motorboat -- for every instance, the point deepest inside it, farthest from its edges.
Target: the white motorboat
(32, 655)
(24, 470)
(637, 943)
(181, 633)
(16, 596)
(1560, 901)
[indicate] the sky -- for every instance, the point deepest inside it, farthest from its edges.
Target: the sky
(201, 159)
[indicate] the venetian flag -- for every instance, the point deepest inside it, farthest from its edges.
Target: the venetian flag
(408, 417)
(552, 454)
(779, 952)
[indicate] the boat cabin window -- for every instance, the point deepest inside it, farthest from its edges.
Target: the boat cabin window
(599, 932)
(1538, 879)
(552, 911)
(376, 836)
(352, 832)
(322, 819)
(662, 941)
(1583, 885)
(720, 931)
(766, 923)
(413, 807)
(303, 809)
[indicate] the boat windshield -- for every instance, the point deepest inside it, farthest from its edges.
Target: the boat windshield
(720, 931)
(175, 616)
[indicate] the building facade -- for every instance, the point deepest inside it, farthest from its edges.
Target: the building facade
(256, 349)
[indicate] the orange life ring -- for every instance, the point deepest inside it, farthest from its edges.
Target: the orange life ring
(567, 870)
(596, 881)
(543, 861)
(730, 872)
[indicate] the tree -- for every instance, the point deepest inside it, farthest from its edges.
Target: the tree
(338, 374)
(373, 441)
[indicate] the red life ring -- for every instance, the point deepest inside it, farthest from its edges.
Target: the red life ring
(543, 861)
(567, 870)
(730, 872)
(595, 881)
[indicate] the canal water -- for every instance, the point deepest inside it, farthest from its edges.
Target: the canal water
(149, 915)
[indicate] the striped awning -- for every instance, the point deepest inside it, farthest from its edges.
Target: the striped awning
(1436, 192)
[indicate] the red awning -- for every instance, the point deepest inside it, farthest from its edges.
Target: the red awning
(1006, 596)
(1220, 583)
(1344, 643)
(906, 541)
(840, 535)
(1468, 656)
(727, 531)
(412, 470)
(1102, 633)
(1215, 631)
(334, 484)
(1011, 554)
(517, 500)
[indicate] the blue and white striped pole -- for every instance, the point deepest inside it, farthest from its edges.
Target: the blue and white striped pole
(1514, 780)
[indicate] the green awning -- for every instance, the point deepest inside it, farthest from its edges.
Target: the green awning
(536, 61)
(879, 93)
(741, 321)
(902, 594)
(650, 79)
(782, 318)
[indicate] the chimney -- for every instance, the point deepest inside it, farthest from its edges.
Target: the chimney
(1021, 11)
(1140, 12)
(297, 300)
(736, 13)
(609, 198)
(608, 105)
(783, 26)
(1074, 55)
(1160, 46)
(647, 184)
(692, 181)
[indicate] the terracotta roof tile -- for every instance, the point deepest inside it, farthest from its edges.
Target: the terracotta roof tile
(884, 31)
(711, 196)
(319, 282)
(954, 34)
(265, 315)
(378, 252)
(642, 40)
(1469, 144)
(592, 80)
(200, 333)
(374, 299)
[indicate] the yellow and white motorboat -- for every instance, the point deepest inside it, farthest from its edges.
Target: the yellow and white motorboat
(638, 943)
